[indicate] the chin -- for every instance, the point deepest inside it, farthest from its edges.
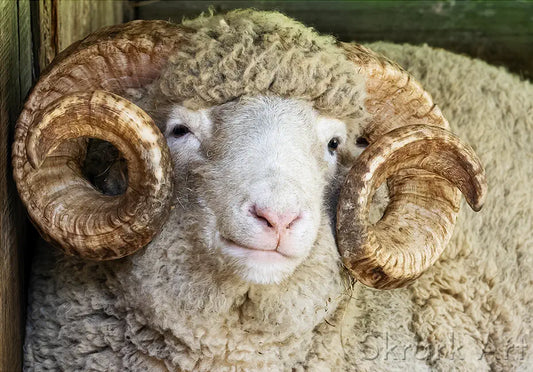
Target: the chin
(264, 273)
(258, 266)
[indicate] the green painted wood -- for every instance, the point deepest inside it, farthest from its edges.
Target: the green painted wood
(15, 81)
(25, 49)
(500, 32)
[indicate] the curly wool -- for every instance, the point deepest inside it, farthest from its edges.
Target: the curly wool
(249, 53)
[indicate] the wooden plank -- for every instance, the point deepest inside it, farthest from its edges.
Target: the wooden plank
(15, 80)
(26, 79)
(25, 49)
(48, 45)
(76, 19)
(500, 32)
(62, 22)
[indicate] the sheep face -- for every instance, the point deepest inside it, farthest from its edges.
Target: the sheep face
(257, 169)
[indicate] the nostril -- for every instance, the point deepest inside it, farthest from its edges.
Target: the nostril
(261, 218)
(266, 221)
(262, 215)
(291, 224)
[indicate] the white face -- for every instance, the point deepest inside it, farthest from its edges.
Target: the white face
(259, 170)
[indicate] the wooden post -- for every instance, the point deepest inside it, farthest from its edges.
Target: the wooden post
(62, 22)
(15, 81)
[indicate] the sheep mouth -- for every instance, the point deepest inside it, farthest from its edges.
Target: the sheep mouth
(239, 250)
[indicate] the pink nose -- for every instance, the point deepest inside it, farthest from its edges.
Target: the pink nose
(279, 222)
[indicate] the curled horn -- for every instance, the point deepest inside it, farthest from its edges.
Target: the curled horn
(79, 97)
(425, 167)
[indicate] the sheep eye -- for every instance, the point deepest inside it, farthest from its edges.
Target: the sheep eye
(333, 144)
(180, 131)
(361, 142)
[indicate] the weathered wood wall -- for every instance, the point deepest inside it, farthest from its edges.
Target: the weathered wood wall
(62, 22)
(500, 32)
(31, 34)
(15, 81)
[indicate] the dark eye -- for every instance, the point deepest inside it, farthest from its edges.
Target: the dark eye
(361, 142)
(180, 131)
(333, 144)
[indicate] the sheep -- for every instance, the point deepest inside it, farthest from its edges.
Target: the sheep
(181, 303)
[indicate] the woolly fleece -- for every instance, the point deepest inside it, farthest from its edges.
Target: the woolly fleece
(471, 311)
(247, 52)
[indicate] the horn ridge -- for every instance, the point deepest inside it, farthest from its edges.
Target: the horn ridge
(79, 96)
(423, 165)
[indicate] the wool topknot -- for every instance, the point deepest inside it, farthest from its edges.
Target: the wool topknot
(247, 52)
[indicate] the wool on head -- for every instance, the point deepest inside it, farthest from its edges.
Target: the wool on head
(250, 53)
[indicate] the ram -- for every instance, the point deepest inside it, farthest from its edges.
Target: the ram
(249, 229)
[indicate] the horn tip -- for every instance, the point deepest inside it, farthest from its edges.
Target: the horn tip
(479, 194)
(476, 207)
(477, 204)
